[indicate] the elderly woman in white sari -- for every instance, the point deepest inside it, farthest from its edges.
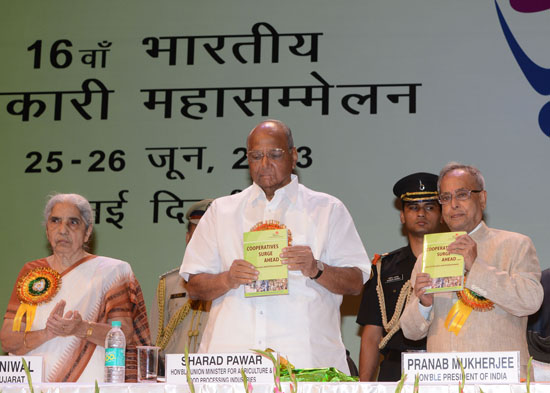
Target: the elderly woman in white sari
(62, 306)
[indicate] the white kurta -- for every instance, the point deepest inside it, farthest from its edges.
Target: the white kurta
(303, 325)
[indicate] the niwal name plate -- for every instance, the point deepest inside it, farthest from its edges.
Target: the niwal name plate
(12, 371)
(479, 367)
(219, 368)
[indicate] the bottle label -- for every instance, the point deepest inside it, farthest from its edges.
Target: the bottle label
(114, 357)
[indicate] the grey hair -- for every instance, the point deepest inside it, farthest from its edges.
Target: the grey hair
(472, 170)
(288, 132)
(79, 201)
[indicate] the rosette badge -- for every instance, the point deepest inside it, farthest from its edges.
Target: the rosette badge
(269, 225)
(36, 287)
(468, 300)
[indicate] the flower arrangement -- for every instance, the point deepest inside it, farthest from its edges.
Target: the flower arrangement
(277, 364)
(247, 385)
(28, 373)
(399, 386)
(529, 368)
(190, 383)
(462, 381)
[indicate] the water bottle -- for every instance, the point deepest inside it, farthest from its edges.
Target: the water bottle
(115, 347)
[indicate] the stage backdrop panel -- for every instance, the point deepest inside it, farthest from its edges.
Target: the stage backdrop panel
(143, 107)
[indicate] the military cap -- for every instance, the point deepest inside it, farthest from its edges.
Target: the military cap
(197, 210)
(420, 186)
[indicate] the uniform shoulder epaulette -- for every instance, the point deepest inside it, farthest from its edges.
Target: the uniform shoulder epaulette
(378, 257)
(387, 254)
(392, 252)
(177, 269)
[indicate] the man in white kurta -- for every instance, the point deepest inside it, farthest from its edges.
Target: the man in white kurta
(325, 261)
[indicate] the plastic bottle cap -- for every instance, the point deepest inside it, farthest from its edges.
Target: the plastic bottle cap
(116, 324)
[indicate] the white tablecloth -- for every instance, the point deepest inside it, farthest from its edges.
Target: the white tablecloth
(303, 387)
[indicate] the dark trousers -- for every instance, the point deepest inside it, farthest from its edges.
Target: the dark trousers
(390, 368)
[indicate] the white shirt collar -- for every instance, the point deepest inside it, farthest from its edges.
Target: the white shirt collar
(476, 228)
(290, 191)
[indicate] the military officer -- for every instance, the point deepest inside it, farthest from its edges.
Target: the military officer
(385, 294)
(175, 319)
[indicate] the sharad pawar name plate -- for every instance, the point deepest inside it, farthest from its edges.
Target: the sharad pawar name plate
(479, 367)
(12, 371)
(219, 368)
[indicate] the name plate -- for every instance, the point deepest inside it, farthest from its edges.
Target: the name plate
(12, 371)
(219, 368)
(479, 367)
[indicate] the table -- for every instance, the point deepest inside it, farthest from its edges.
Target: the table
(303, 387)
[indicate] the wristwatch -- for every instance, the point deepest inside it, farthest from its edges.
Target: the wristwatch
(321, 267)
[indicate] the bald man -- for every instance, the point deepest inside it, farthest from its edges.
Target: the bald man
(325, 261)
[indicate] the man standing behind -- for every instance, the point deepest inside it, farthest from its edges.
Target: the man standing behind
(325, 261)
(502, 282)
(177, 320)
(386, 292)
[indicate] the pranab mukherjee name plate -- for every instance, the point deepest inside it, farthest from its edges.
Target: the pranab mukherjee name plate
(479, 367)
(12, 371)
(219, 368)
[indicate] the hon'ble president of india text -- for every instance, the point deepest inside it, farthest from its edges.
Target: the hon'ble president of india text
(325, 261)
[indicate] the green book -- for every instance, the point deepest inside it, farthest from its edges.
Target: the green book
(262, 249)
(445, 269)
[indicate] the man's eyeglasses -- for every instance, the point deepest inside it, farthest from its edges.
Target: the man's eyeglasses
(460, 195)
(273, 154)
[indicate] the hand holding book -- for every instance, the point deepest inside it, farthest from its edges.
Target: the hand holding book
(423, 281)
(300, 258)
(465, 246)
(241, 272)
